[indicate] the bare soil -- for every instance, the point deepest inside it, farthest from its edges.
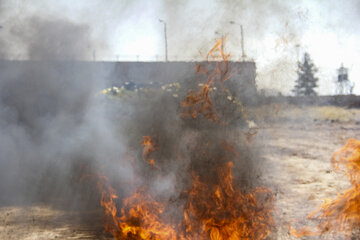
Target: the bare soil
(43, 222)
(298, 169)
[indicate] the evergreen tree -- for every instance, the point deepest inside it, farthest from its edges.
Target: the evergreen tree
(306, 81)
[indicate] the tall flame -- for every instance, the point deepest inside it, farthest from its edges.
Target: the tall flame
(200, 102)
(222, 212)
(341, 214)
(213, 207)
(214, 212)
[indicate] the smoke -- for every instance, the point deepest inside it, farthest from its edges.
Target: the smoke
(259, 18)
(183, 147)
(56, 128)
(272, 30)
(52, 120)
(53, 39)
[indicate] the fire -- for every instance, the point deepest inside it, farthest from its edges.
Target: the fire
(149, 147)
(215, 212)
(222, 211)
(341, 214)
(210, 207)
(199, 102)
(140, 216)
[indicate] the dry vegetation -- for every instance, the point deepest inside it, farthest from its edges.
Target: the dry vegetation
(291, 113)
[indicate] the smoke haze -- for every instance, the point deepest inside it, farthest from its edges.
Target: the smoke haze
(58, 132)
(130, 30)
(49, 114)
(53, 122)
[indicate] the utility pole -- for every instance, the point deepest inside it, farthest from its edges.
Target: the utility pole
(243, 55)
(242, 42)
(165, 35)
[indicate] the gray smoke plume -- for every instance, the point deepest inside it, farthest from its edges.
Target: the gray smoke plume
(53, 39)
(55, 124)
(58, 131)
(51, 122)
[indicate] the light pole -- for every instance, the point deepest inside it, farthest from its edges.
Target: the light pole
(165, 35)
(242, 38)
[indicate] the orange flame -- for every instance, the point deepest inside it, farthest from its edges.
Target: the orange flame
(213, 210)
(222, 212)
(216, 210)
(341, 214)
(139, 218)
(222, 62)
(199, 102)
(149, 147)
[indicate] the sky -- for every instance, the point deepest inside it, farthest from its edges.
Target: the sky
(276, 33)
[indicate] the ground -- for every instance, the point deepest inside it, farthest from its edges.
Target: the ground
(296, 143)
(41, 222)
(299, 169)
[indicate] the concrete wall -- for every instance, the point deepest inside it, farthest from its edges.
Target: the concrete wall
(138, 72)
(242, 83)
(176, 71)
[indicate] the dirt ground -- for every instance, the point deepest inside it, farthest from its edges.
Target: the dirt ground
(43, 222)
(297, 146)
(299, 170)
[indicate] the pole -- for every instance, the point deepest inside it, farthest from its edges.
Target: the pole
(243, 55)
(165, 36)
(166, 46)
(242, 42)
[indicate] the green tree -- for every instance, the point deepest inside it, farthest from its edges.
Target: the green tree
(306, 81)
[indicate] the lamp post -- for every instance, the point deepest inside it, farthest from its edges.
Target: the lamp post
(165, 35)
(242, 38)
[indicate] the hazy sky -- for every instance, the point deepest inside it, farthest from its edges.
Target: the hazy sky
(130, 30)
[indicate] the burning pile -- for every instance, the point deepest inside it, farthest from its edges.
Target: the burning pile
(341, 214)
(212, 193)
(225, 212)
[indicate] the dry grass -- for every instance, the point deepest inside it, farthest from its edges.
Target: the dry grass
(286, 112)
